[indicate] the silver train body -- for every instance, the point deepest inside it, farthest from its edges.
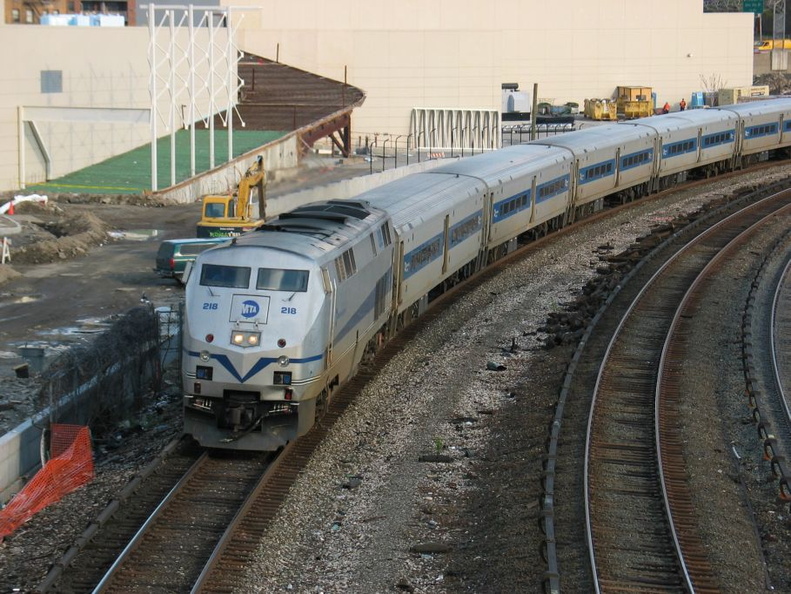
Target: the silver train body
(279, 319)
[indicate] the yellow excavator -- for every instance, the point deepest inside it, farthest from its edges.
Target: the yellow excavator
(230, 215)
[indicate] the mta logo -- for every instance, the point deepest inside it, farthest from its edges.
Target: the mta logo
(250, 309)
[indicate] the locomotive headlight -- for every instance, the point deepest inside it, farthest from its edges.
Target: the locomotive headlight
(245, 339)
(283, 361)
(204, 356)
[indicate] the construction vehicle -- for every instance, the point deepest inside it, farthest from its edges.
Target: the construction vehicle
(233, 214)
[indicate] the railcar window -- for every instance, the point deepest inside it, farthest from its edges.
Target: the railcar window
(273, 279)
(219, 275)
(422, 256)
(719, 138)
(470, 226)
(764, 130)
(636, 159)
(552, 188)
(596, 171)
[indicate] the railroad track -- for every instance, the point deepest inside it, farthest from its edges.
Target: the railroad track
(85, 562)
(641, 528)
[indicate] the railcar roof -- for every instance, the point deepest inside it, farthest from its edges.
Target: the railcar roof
(415, 198)
(680, 119)
(503, 164)
(752, 108)
(596, 137)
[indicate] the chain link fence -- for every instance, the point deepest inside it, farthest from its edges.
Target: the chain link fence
(117, 374)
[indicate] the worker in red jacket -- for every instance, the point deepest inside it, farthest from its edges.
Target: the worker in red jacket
(666, 108)
(682, 104)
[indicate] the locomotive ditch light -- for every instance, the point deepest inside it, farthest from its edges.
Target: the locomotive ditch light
(204, 356)
(283, 361)
(245, 339)
(196, 388)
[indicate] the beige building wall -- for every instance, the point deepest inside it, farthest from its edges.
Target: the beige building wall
(457, 53)
(408, 54)
(105, 73)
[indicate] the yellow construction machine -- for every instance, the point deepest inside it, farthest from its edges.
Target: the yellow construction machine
(233, 214)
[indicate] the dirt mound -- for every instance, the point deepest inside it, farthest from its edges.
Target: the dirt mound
(64, 237)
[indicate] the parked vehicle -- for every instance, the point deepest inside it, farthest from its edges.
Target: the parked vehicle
(173, 254)
(769, 44)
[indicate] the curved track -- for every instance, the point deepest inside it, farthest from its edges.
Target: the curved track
(641, 532)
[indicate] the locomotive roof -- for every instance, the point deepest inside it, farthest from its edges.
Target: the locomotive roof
(314, 229)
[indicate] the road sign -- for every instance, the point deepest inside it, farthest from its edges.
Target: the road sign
(754, 6)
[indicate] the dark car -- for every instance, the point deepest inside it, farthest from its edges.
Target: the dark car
(174, 254)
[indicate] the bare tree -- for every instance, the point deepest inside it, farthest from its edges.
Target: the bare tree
(712, 83)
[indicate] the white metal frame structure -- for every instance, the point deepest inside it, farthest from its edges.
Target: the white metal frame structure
(185, 77)
(451, 128)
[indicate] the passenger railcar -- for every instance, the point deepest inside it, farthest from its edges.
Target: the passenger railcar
(281, 317)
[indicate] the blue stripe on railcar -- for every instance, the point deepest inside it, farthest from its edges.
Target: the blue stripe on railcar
(466, 228)
(423, 255)
(597, 171)
(552, 188)
(511, 206)
(718, 138)
(761, 130)
(787, 126)
(633, 160)
(676, 149)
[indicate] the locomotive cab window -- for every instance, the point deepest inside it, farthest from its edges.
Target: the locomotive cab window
(273, 279)
(218, 275)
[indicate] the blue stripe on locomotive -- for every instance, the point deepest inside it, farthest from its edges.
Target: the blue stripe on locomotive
(597, 171)
(760, 130)
(262, 363)
(636, 159)
(366, 307)
(718, 138)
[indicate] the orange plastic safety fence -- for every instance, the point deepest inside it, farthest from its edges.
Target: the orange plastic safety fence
(70, 467)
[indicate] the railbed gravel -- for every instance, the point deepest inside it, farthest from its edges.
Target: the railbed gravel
(372, 512)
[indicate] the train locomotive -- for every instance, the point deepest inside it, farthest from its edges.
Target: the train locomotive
(279, 318)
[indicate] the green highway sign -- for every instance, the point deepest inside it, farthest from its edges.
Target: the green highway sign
(755, 6)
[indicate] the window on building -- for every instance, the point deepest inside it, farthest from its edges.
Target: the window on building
(29, 15)
(14, 15)
(51, 81)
